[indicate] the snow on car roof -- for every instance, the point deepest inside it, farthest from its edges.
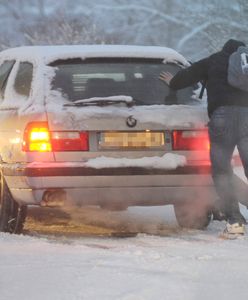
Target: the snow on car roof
(48, 54)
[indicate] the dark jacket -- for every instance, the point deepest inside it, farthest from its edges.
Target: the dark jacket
(213, 69)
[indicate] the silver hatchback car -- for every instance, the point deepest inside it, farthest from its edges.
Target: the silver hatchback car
(93, 125)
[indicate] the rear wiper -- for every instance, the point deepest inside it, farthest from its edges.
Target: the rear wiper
(103, 101)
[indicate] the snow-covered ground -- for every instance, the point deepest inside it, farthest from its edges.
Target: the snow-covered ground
(161, 262)
(180, 264)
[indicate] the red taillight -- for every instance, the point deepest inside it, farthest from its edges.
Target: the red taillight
(70, 141)
(190, 140)
(37, 137)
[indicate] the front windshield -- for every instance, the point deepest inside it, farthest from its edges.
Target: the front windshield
(82, 79)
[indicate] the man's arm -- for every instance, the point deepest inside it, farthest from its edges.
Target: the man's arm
(186, 77)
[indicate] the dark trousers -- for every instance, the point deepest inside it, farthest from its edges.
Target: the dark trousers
(228, 127)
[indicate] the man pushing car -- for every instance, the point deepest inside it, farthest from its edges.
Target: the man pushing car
(228, 126)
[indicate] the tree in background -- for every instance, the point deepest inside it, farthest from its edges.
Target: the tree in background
(41, 22)
(193, 27)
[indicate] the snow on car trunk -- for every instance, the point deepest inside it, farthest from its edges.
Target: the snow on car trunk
(108, 128)
(114, 117)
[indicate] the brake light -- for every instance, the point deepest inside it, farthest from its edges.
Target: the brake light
(190, 140)
(37, 137)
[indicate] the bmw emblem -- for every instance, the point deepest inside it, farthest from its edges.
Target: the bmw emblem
(131, 121)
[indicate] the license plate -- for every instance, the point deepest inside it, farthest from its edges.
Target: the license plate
(131, 140)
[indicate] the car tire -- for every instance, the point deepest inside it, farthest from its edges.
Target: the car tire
(12, 215)
(193, 215)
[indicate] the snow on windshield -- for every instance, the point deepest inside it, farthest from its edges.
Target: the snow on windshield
(117, 98)
(105, 77)
(170, 116)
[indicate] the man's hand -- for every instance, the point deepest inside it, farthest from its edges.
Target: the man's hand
(166, 77)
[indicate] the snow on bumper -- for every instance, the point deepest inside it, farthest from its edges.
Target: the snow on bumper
(132, 185)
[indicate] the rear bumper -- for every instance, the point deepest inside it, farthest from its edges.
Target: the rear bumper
(74, 169)
(89, 186)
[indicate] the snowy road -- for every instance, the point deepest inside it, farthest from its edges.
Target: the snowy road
(181, 264)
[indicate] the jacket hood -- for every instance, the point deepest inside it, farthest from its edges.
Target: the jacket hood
(232, 45)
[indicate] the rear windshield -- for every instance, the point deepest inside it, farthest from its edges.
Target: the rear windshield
(82, 79)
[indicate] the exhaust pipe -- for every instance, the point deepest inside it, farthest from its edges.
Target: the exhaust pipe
(53, 198)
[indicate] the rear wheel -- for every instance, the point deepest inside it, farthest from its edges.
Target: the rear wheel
(12, 215)
(194, 215)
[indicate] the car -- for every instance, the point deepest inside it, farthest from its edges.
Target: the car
(94, 125)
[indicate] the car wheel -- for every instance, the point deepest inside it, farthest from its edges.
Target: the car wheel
(12, 215)
(193, 215)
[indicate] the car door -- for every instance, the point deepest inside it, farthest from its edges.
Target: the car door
(18, 95)
(5, 70)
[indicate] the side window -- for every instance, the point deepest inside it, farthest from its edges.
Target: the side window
(5, 70)
(23, 79)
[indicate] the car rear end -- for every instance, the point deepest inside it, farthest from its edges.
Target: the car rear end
(147, 146)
